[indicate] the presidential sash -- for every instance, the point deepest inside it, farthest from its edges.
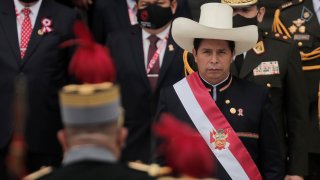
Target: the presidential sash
(215, 129)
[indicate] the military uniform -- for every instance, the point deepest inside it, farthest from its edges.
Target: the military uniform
(298, 20)
(282, 74)
(251, 118)
(97, 164)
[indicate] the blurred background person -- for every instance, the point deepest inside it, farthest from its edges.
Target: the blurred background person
(147, 59)
(300, 21)
(114, 15)
(282, 73)
(30, 33)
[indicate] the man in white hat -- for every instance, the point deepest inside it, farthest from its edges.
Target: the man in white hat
(233, 116)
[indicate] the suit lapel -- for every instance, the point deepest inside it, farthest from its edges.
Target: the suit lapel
(122, 13)
(35, 39)
(249, 64)
(137, 47)
(9, 24)
(170, 52)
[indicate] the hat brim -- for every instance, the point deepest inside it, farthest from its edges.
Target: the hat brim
(185, 30)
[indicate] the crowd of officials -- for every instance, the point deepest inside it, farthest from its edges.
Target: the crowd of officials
(245, 91)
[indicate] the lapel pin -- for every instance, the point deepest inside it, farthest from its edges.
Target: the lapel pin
(240, 112)
(171, 48)
(40, 32)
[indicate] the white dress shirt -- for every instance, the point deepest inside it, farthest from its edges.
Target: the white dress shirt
(33, 15)
(316, 6)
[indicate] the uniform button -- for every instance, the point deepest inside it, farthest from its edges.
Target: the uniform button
(233, 110)
(268, 85)
(300, 44)
(227, 101)
(266, 33)
(277, 35)
(285, 37)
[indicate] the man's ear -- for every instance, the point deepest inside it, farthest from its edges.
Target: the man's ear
(261, 13)
(174, 6)
(194, 53)
(61, 135)
(122, 137)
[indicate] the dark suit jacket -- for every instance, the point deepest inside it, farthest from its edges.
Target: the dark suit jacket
(112, 15)
(137, 99)
(312, 77)
(258, 118)
(96, 170)
(288, 95)
(44, 68)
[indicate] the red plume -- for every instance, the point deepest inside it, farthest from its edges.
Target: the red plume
(91, 62)
(184, 149)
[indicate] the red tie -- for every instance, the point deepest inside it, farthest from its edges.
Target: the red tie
(26, 30)
(154, 72)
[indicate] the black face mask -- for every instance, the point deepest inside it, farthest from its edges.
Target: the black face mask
(239, 21)
(28, 1)
(154, 16)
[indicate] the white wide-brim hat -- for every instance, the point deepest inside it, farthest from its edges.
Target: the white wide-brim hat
(215, 23)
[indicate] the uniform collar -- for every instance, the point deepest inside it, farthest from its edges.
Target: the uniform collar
(223, 85)
(88, 152)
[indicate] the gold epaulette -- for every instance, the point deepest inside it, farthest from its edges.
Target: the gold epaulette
(187, 68)
(153, 170)
(38, 174)
(277, 25)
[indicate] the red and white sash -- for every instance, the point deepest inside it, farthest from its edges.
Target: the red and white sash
(215, 129)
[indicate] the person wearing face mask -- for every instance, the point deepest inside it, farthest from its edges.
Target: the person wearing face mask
(147, 59)
(33, 68)
(112, 15)
(275, 62)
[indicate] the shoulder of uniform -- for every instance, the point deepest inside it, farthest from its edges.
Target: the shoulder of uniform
(39, 174)
(153, 170)
(277, 36)
(290, 4)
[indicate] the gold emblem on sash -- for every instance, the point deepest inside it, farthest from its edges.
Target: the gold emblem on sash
(219, 138)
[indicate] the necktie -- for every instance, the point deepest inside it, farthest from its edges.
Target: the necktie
(26, 30)
(154, 72)
(238, 62)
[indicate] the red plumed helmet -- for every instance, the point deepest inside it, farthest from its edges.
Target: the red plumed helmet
(184, 149)
(91, 62)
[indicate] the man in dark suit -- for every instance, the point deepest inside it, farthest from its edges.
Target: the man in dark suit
(133, 50)
(240, 130)
(112, 15)
(300, 21)
(29, 52)
(282, 74)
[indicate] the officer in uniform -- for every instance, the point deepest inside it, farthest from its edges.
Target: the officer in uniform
(93, 134)
(299, 20)
(282, 73)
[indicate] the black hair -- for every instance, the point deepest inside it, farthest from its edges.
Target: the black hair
(197, 41)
